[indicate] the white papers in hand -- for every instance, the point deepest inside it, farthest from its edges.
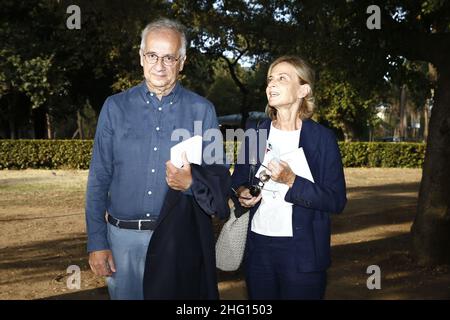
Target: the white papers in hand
(298, 163)
(193, 149)
(296, 160)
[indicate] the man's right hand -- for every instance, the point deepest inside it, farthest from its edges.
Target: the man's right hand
(102, 262)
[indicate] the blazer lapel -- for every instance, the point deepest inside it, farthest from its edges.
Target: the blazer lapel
(262, 141)
(309, 142)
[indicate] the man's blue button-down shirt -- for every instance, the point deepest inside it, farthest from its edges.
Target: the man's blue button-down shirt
(132, 144)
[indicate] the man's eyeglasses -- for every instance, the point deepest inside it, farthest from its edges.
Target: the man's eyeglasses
(152, 58)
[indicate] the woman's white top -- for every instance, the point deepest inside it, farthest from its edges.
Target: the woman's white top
(274, 215)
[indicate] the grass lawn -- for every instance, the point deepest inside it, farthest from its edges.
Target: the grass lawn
(43, 232)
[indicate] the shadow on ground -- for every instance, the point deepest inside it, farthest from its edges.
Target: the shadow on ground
(401, 278)
(368, 207)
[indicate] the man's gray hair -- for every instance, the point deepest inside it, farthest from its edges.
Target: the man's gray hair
(165, 23)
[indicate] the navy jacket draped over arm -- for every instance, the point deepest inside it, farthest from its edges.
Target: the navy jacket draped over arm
(180, 261)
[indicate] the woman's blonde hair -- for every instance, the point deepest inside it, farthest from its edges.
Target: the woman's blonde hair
(306, 76)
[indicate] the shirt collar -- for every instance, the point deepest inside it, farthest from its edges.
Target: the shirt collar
(172, 95)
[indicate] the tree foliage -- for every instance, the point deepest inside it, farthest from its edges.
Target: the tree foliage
(58, 71)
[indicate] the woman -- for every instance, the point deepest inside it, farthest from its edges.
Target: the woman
(288, 243)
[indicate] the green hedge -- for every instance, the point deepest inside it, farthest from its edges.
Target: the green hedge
(76, 154)
(45, 154)
(382, 154)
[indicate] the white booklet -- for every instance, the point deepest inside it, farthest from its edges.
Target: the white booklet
(296, 160)
(193, 149)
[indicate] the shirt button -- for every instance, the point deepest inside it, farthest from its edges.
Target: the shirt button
(151, 94)
(148, 102)
(148, 214)
(157, 128)
(149, 193)
(171, 102)
(159, 108)
(155, 148)
(153, 170)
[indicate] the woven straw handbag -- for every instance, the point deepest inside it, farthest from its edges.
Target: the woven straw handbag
(230, 244)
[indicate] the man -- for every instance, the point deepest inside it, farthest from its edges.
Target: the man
(130, 173)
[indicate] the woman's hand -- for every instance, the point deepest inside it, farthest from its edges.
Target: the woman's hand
(245, 198)
(281, 172)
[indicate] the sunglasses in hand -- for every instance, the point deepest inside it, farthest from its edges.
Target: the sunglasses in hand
(255, 190)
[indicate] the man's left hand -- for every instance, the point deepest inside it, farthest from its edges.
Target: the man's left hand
(179, 178)
(281, 172)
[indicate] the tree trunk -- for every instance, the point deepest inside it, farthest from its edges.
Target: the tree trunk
(348, 131)
(402, 114)
(80, 125)
(49, 126)
(232, 67)
(432, 76)
(244, 110)
(431, 228)
(426, 117)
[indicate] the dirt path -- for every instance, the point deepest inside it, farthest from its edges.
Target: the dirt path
(43, 232)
